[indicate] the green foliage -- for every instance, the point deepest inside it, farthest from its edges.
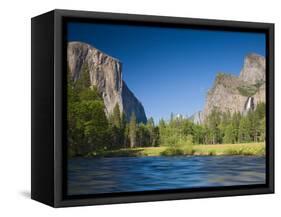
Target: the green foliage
(152, 137)
(254, 121)
(202, 150)
(155, 136)
(115, 118)
(213, 123)
(244, 130)
(188, 149)
(218, 128)
(246, 150)
(248, 90)
(262, 129)
(89, 94)
(229, 134)
(198, 133)
(235, 121)
(126, 135)
(236, 128)
(143, 136)
(172, 151)
(87, 123)
(84, 80)
(117, 127)
(93, 123)
(133, 130)
(91, 133)
(260, 110)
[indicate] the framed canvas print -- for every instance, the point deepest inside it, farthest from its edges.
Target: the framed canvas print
(131, 108)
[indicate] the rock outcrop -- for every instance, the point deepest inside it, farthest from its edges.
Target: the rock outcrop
(105, 72)
(254, 69)
(238, 93)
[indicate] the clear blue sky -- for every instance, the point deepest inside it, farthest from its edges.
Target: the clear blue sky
(169, 69)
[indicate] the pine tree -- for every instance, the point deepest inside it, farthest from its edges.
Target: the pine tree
(214, 120)
(117, 128)
(236, 118)
(83, 81)
(198, 134)
(133, 130)
(126, 142)
(229, 136)
(260, 110)
(262, 129)
(156, 136)
(244, 130)
(162, 131)
(150, 128)
(143, 135)
(254, 129)
(116, 117)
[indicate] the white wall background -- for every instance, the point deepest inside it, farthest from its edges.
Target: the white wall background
(15, 106)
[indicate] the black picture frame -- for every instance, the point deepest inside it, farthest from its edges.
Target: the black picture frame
(48, 70)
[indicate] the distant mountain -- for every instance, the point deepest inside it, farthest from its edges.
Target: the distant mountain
(105, 73)
(237, 93)
(197, 117)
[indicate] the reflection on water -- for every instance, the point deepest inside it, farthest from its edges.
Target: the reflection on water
(127, 174)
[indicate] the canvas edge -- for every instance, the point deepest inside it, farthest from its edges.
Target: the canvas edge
(42, 146)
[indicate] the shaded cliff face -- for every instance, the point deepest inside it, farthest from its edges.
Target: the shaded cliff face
(105, 73)
(238, 94)
(131, 104)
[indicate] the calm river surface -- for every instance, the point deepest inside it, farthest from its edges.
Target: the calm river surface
(124, 174)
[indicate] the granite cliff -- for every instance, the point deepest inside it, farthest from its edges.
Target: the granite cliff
(105, 72)
(238, 93)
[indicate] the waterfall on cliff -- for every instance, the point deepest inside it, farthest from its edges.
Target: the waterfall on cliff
(249, 105)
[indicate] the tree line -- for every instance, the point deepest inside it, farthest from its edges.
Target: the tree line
(218, 128)
(90, 130)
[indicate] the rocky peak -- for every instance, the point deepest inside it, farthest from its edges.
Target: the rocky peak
(253, 70)
(105, 73)
(238, 93)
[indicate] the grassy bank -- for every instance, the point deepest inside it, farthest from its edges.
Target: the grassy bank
(257, 149)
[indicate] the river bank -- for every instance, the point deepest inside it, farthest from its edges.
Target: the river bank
(255, 149)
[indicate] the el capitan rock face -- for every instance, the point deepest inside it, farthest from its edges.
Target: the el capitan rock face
(105, 73)
(238, 93)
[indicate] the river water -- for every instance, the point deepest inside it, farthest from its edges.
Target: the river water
(127, 174)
